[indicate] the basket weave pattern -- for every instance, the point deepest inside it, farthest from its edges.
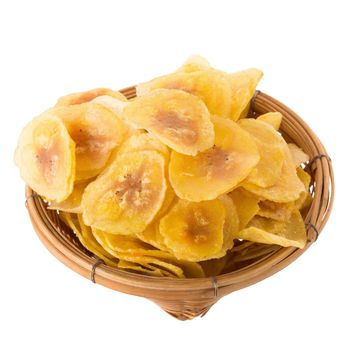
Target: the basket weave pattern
(188, 298)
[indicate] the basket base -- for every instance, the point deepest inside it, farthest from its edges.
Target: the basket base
(186, 310)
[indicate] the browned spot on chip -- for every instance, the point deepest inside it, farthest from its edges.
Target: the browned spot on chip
(48, 158)
(134, 189)
(217, 158)
(85, 141)
(171, 123)
(198, 227)
(178, 86)
(82, 97)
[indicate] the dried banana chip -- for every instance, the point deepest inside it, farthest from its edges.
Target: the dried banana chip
(128, 195)
(213, 87)
(86, 238)
(143, 141)
(86, 96)
(96, 132)
(285, 234)
(178, 119)
(305, 198)
(271, 148)
(152, 236)
(243, 86)
(194, 231)
(298, 155)
(193, 64)
(247, 205)
(276, 211)
(287, 188)
(45, 155)
(272, 118)
(72, 204)
(231, 225)
(217, 170)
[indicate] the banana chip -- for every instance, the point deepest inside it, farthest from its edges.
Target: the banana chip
(243, 86)
(72, 204)
(268, 231)
(210, 85)
(96, 132)
(45, 155)
(273, 118)
(298, 155)
(179, 120)
(247, 205)
(271, 149)
(86, 96)
(128, 195)
(76, 224)
(218, 169)
(288, 186)
(194, 231)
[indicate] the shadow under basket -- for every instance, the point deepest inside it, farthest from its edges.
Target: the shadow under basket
(191, 297)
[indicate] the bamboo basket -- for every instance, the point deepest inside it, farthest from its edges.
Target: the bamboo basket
(188, 298)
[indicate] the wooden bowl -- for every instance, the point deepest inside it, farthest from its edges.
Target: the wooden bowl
(188, 298)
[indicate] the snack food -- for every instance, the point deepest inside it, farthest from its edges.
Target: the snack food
(175, 182)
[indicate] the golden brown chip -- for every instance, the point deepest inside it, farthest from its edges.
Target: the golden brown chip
(133, 249)
(231, 225)
(72, 204)
(148, 261)
(152, 236)
(45, 155)
(287, 187)
(217, 170)
(143, 141)
(272, 118)
(210, 85)
(86, 238)
(298, 155)
(86, 96)
(276, 211)
(178, 119)
(243, 86)
(268, 231)
(193, 64)
(128, 195)
(96, 132)
(194, 231)
(271, 148)
(305, 198)
(246, 205)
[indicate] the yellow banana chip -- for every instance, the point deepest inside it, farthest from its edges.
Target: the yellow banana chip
(178, 119)
(210, 85)
(218, 169)
(268, 231)
(86, 96)
(288, 186)
(272, 118)
(128, 195)
(246, 205)
(243, 86)
(72, 204)
(271, 149)
(194, 231)
(45, 155)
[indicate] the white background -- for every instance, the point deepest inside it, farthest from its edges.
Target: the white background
(51, 48)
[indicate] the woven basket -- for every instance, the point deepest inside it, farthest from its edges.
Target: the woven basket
(188, 298)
